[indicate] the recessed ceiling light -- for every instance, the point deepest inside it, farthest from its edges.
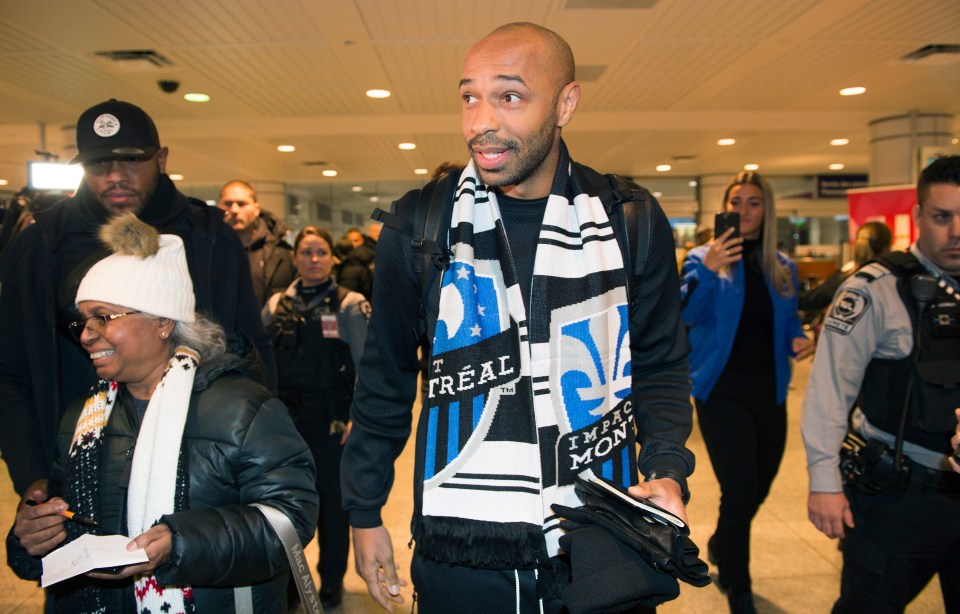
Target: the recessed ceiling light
(374, 199)
(357, 188)
(836, 167)
(751, 167)
(407, 145)
(4, 182)
(196, 97)
(286, 148)
(420, 171)
(955, 141)
(329, 173)
(726, 141)
(378, 93)
(836, 142)
(657, 194)
(852, 91)
(176, 177)
(662, 168)
(692, 184)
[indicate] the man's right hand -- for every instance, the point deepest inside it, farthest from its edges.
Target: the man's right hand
(830, 512)
(373, 554)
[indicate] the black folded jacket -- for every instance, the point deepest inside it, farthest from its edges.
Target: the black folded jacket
(608, 576)
(664, 546)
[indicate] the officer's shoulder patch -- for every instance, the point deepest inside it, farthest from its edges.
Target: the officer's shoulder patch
(847, 310)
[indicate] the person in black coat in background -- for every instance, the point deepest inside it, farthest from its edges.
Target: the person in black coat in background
(351, 272)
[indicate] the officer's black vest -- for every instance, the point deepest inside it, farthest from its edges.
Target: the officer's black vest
(934, 367)
(316, 373)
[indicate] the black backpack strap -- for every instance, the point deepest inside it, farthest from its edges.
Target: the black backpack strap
(634, 233)
(432, 217)
(427, 231)
(390, 220)
(431, 253)
(638, 227)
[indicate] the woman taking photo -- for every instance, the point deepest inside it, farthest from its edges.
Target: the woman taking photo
(174, 445)
(319, 329)
(740, 303)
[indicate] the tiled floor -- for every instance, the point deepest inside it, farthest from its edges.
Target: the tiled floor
(794, 567)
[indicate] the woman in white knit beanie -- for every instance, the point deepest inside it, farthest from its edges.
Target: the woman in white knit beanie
(172, 446)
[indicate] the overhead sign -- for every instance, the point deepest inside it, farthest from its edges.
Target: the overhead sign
(836, 186)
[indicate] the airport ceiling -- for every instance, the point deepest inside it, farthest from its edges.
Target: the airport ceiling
(662, 81)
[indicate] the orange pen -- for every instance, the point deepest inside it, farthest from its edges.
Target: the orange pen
(69, 515)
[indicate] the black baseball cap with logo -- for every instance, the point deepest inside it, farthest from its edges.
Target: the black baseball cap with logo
(115, 129)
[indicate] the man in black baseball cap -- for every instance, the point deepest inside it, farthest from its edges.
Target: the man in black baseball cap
(118, 146)
(41, 368)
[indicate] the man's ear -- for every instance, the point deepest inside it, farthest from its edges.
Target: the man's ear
(567, 103)
(162, 159)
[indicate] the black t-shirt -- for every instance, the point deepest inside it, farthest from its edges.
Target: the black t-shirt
(750, 373)
(521, 221)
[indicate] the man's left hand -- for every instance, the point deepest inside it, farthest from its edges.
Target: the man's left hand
(664, 492)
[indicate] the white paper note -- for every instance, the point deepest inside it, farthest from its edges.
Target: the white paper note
(86, 553)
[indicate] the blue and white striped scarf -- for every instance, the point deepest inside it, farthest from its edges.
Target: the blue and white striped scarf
(518, 408)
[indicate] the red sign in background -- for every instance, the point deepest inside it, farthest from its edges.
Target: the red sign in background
(892, 205)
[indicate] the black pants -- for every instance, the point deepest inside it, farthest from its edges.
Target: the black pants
(454, 589)
(745, 443)
(333, 527)
(901, 539)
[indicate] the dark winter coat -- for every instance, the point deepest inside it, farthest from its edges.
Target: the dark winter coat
(241, 448)
(271, 258)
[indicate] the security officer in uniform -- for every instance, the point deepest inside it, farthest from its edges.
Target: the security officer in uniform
(319, 329)
(880, 476)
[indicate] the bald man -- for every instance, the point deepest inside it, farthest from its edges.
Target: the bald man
(533, 379)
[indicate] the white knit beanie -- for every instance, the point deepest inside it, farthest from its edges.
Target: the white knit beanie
(143, 273)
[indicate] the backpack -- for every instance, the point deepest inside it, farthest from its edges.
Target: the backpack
(433, 214)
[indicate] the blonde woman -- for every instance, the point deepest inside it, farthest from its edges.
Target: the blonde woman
(740, 302)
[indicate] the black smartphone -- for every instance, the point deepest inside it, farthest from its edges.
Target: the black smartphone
(725, 220)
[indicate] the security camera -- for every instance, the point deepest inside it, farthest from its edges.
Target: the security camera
(168, 86)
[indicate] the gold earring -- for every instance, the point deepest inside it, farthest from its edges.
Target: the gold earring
(164, 334)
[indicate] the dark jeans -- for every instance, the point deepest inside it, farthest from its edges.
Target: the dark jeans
(901, 539)
(745, 444)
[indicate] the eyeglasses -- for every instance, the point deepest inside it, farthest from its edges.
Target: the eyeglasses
(95, 323)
